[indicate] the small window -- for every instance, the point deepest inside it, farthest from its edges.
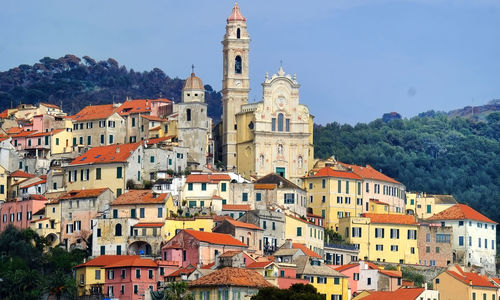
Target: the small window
(188, 114)
(238, 33)
(237, 65)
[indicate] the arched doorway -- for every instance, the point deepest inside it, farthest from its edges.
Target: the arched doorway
(140, 248)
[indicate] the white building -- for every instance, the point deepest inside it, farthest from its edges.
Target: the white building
(474, 236)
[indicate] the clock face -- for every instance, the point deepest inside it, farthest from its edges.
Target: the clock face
(237, 82)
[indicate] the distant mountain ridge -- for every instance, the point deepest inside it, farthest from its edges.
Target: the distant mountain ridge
(478, 113)
(74, 82)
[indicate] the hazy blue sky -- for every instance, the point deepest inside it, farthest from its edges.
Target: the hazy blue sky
(355, 59)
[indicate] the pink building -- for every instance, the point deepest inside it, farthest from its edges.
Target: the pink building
(351, 271)
(19, 213)
(130, 278)
(196, 248)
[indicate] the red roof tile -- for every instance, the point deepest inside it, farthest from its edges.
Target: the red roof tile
(390, 218)
(106, 154)
(232, 277)
(148, 225)
(21, 174)
(215, 238)
(134, 106)
(133, 261)
(4, 114)
(182, 271)
(94, 112)
(468, 277)
(24, 134)
(343, 267)
(400, 294)
(28, 185)
(306, 250)
(245, 207)
(391, 273)
(461, 212)
(369, 172)
(49, 105)
(207, 178)
(243, 224)
(48, 133)
(157, 140)
(209, 266)
(264, 186)
(140, 197)
(259, 264)
(329, 172)
(154, 118)
(77, 194)
(14, 130)
(230, 253)
(104, 260)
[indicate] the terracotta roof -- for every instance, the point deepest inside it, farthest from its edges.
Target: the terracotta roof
(391, 273)
(157, 140)
(154, 118)
(106, 154)
(259, 264)
(232, 277)
(28, 185)
(496, 280)
(461, 212)
(94, 112)
(243, 224)
(215, 238)
(155, 128)
(369, 172)
(193, 83)
(236, 14)
(390, 218)
(140, 197)
(77, 194)
(329, 172)
(400, 294)
(134, 106)
(24, 134)
(133, 261)
(343, 267)
(4, 114)
(468, 277)
(230, 253)
(21, 174)
(306, 250)
(378, 202)
(182, 271)
(104, 260)
(245, 207)
(37, 197)
(47, 133)
(207, 178)
(148, 225)
(14, 130)
(209, 266)
(264, 186)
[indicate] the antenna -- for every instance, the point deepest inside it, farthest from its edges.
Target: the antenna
(192, 68)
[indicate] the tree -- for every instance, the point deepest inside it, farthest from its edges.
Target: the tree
(295, 292)
(176, 291)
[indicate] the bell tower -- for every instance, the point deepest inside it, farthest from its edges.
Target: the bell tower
(235, 82)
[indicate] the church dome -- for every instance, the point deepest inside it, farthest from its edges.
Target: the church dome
(193, 83)
(236, 14)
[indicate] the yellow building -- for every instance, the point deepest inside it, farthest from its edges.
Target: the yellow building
(106, 167)
(173, 225)
(326, 280)
(410, 203)
(3, 184)
(334, 193)
(383, 237)
(378, 207)
(427, 205)
(47, 222)
(455, 283)
(90, 276)
(304, 232)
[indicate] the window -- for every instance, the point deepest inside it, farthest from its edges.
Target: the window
(152, 159)
(119, 172)
(427, 249)
(97, 274)
(379, 247)
(258, 196)
(136, 289)
(111, 139)
(369, 281)
(98, 232)
(244, 197)
(132, 213)
(118, 250)
(237, 65)
(115, 213)
(347, 187)
(289, 198)
(160, 212)
(460, 223)
(299, 231)
(479, 242)
(412, 234)
(356, 232)
(379, 232)
(203, 186)
(394, 233)
(223, 187)
(133, 122)
(141, 212)
(118, 192)
(138, 273)
(443, 238)
(150, 274)
(394, 248)
(460, 240)
(118, 230)
(321, 280)
(103, 250)
(323, 183)
(190, 186)
(273, 124)
(280, 122)
(111, 274)
(339, 186)
(89, 140)
(98, 174)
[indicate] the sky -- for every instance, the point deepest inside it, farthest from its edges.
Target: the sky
(355, 59)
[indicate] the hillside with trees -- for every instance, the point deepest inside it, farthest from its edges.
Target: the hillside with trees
(74, 83)
(433, 153)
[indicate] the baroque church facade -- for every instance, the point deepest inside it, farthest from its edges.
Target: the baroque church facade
(274, 135)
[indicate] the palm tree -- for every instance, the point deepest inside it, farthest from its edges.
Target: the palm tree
(177, 290)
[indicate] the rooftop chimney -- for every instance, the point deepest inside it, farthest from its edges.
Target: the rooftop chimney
(117, 149)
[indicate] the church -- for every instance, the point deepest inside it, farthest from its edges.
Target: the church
(274, 135)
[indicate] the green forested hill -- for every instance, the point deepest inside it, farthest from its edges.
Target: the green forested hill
(75, 83)
(433, 154)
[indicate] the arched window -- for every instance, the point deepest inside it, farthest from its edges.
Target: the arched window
(188, 114)
(237, 65)
(118, 230)
(280, 122)
(238, 33)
